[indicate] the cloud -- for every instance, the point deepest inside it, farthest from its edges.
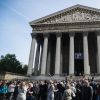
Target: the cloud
(17, 12)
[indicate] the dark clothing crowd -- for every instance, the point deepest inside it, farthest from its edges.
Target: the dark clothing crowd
(69, 89)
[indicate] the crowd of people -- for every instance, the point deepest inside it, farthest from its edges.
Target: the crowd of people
(69, 89)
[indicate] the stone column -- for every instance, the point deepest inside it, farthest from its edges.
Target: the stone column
(44, 55)
(98, 52)
(41, 59)
(31, 56)
(37, 59)
(61, 72)
(40, 53)
(71, 54)
(48, 62)
(58, 54)
(86, 57)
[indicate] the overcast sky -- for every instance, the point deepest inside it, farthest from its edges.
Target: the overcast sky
(15, 16)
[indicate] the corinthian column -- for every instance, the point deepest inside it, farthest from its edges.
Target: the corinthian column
(71, 54)
(58, 51)
(31, 56)
(98, 52)
(44, 55)
(37, 58)
(86, 58)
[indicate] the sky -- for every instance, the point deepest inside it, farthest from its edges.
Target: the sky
(15, 16)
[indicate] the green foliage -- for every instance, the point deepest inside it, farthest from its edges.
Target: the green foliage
(25, 67)
(9, 63)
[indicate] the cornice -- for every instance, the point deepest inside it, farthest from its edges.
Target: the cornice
(76, 7)
(66, 25)
(67, 30)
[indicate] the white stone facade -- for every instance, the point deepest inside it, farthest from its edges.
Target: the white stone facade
(71, 21)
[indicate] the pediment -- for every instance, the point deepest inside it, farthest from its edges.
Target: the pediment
(77, 13)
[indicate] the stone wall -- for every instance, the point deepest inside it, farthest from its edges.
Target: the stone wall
(11, 76)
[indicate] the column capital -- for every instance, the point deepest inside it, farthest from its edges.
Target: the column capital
(58, 34)
(46, 35)
(34, 35)
(98, 33)
(71, 33)
(85, 33)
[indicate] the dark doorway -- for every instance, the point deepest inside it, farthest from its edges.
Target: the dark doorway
(52, 49)
(79, 68)
(92, 48)
(79, 65)
(65, 53)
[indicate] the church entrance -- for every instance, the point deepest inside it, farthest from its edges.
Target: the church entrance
(79, 62)
(79, 65)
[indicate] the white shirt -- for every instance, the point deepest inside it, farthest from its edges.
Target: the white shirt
(11, 88)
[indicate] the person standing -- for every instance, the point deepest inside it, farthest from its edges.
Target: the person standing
(43, 90)
(22, 90)
(87, 91)
(98, 92)
(11, 88)
(4, 90)
(67, 93)
(50, 94)
(15, 94)
(30, 92)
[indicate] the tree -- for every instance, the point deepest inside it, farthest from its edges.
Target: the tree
(11, 64)
(24, 70)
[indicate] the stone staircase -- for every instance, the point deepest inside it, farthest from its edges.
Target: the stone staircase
(43, 77)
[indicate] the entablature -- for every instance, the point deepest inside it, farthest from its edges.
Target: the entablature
(62, 27)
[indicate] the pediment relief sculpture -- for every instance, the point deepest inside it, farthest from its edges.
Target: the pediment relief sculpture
(77, 13)
(73, 17)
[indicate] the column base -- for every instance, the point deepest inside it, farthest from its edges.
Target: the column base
(71, 75)
(28, 75)
(58, 77)
(86, 75)
(96, 74)
(41, 77)
(36, 74)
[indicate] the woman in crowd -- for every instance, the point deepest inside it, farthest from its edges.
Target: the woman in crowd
(67, 93)
(50, 94)
(87, 91)
(15, 94)
(30, 92)
(73, 88)
(0, 90)
(98, 91)
(4, 90)
(43, 90)
(22, 90)
(36, 91)
(11, 88)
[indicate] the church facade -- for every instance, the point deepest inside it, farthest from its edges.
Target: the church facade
(66, 43)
